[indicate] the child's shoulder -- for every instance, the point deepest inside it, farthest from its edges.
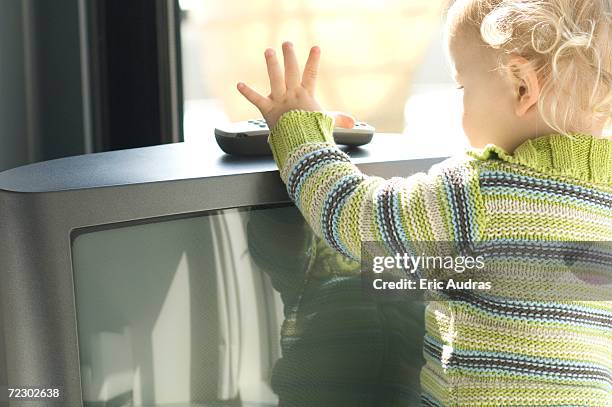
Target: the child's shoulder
(578, 158)
(551, 163)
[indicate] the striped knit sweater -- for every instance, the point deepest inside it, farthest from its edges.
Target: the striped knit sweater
(504, 347)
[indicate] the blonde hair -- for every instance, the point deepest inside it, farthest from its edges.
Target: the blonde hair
(568, 44)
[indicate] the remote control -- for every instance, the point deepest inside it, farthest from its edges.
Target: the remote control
(250, 137)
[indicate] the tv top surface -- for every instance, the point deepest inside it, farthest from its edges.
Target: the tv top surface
(170, 162)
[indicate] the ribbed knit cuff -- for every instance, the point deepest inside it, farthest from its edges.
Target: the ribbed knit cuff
(297, 127)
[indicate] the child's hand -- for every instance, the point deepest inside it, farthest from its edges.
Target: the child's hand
(290, 92)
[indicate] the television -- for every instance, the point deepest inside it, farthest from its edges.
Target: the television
(173, 275)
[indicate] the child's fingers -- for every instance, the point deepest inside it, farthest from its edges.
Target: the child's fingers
(252, 96)
(311, 70)
(277, 85)
(292, 71)
(342, 119)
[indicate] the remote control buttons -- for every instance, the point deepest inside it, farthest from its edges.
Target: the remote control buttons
(260, 123)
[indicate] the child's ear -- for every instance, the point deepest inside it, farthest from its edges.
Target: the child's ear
(526, 85)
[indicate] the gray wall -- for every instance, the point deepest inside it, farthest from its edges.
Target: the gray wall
(41, 81)
(13, 128)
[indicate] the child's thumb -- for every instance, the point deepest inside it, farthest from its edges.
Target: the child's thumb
(342, 119)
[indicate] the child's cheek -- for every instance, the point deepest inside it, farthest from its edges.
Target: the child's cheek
(466, 117)
(474, 120)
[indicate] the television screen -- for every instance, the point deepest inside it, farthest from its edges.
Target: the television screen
(236, 307)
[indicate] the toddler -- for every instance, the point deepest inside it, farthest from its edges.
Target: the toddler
(536, 77)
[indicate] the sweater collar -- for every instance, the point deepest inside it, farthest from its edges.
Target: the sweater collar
(580, 156)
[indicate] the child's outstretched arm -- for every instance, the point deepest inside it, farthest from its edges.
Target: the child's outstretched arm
(340, 203)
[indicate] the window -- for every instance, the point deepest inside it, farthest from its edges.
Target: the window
(382, 61)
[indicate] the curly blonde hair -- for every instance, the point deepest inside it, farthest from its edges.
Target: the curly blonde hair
(568, 44)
